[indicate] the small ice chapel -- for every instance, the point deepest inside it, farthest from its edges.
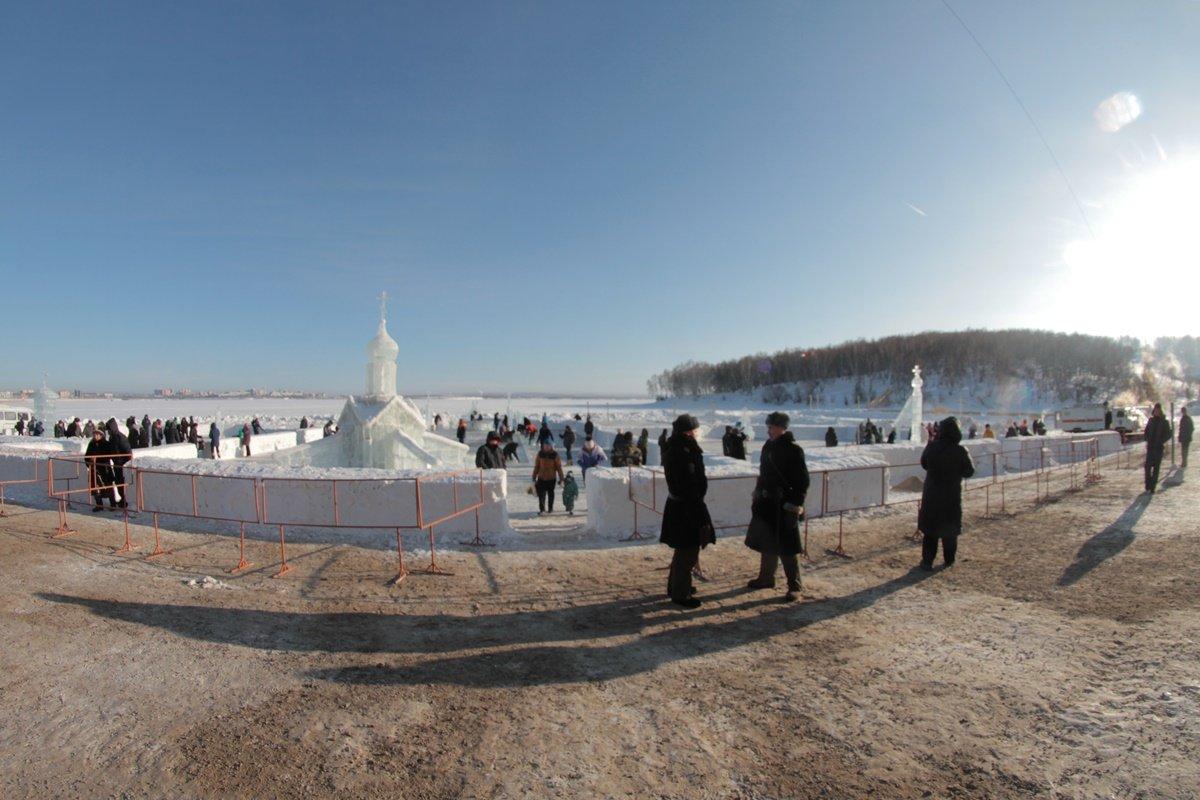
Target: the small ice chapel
(383, 430)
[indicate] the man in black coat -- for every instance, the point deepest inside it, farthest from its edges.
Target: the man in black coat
(946, 463)
(99, 465)
(778, 506)
(1158, 433)
(118, 445)
(737, 444)
(145, 431)
(489, 455)
(686, 524)
(588, 428)
(1186, 427)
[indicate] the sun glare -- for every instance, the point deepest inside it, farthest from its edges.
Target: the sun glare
(1143, 264)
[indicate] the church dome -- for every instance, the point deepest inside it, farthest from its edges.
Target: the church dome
(383, 346)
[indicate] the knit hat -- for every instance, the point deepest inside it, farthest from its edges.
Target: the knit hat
(778, 418)
(493, 436)
(684, 423)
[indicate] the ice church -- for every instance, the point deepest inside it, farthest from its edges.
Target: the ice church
(380, 429)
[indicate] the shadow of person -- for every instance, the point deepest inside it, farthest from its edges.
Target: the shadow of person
(651, 631)
(1174, 479)
(1107, 543)
(542, 664)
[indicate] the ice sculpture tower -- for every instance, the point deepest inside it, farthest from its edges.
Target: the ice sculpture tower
(913, 409)
(384, 430)
(381, 358)
(917, 402)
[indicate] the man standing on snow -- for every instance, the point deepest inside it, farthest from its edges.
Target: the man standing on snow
(1158, 433)
(946, 463)
(686, 524)
(1185, 435)
(778, 507)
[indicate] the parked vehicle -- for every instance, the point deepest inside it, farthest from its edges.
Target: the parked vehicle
(1080, 419)
(9, 416)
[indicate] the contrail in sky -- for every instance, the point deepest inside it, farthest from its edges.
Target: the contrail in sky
(914, 208)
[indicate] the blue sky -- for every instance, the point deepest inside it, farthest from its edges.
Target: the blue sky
(558, 196)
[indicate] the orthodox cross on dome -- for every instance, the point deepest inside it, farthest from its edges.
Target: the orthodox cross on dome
(383, 298)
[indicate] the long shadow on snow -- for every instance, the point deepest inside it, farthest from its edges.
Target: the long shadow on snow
(1107, 543)
(535, 659)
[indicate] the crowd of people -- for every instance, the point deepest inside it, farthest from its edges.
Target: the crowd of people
(155, 433)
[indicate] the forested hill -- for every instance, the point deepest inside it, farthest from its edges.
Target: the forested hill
(1068, 367)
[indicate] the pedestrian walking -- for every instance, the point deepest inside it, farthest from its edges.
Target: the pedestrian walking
(570, 491)
(461, 433)
(643, 445)
(214, 439)
(122, 454)
(778, 506)
(245, 438)
(568, 441)
(98, 456)
(686, 524)
(1185, 435)
(1158, 433)
(591, 455)
(547, 473)
(946, 463)
(489, 454)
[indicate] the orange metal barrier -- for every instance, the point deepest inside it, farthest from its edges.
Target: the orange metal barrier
(89, 466)
(36, 475)
(1079, 459)
(249, 503)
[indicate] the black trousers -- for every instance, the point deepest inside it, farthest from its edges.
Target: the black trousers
(118, 472)
(568, 453)
(768, 565)
(1153, 465)
(929, 548)
(1183, 448)
(679, 579)
(545, 493)
(102, 481)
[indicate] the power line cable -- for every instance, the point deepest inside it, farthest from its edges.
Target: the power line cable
(1050, 150)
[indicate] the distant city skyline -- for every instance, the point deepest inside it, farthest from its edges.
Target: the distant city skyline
(567, 198)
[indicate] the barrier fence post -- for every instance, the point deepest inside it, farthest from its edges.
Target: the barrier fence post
(478, 541)
(242, 562)
(401, 570)
(839, 550)
(637, 535)
(128, 545)
(3, 513)
(63, 528)
(284, 566)
(158, 548)
(916, 535)
(433, 568)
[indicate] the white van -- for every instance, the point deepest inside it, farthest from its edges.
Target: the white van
(1082, 419)
(9, 416)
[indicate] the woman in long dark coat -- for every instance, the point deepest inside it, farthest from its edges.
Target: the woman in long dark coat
(686, 524)
(946, 464)
(778, 506)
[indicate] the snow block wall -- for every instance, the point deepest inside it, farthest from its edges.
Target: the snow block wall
(854, 482)
(369, 498)
(306, 435)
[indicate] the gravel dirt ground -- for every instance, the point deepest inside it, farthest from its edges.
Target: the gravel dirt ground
(1060, 657)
